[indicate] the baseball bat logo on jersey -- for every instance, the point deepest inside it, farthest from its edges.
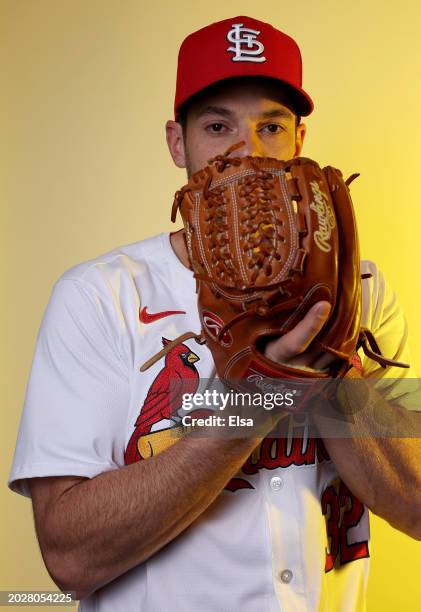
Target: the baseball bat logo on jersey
(213, 325)
(245, 45)
(325, 218)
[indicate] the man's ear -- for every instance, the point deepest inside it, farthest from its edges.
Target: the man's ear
(175, 143)
(299, 139)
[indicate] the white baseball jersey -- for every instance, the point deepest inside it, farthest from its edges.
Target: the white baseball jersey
(285, 534)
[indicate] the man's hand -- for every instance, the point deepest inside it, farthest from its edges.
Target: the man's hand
(292, 348)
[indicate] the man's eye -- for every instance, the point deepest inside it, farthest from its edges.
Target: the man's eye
(273, 128)
(215, 127)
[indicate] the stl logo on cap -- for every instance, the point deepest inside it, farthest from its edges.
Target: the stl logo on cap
(247, 48)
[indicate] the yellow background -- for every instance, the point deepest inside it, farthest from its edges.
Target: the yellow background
(87, 86)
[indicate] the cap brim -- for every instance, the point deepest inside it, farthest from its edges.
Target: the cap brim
(298, 100)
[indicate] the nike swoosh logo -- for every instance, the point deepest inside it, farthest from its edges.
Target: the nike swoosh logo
(150, 317)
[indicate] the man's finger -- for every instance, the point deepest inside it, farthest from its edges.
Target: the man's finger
(298, 339)
(323, 361)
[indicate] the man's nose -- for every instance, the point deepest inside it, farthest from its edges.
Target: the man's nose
(252, 146)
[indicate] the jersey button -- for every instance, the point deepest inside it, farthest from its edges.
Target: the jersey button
(276, 483)
(286, 576)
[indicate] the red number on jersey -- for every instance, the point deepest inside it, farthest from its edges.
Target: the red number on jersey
(345, 511)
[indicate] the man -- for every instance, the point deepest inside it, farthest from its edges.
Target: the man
(132, 522)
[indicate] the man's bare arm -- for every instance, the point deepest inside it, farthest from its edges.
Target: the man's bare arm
(377, 453)
(102, 527)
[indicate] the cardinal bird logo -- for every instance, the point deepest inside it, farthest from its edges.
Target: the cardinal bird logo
(178, 376)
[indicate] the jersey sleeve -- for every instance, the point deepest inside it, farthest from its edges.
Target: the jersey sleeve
(76, 402)
(383, 315)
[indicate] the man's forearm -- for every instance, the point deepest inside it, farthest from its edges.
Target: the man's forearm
(377, 472)
(378, 459)
(104, 526)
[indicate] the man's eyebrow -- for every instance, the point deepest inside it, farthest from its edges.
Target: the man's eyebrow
(215, 110)
(273, 113)
(277, 112)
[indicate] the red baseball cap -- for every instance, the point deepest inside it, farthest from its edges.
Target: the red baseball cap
(238, 47)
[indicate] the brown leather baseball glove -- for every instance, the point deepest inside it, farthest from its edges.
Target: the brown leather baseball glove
(266, 240)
